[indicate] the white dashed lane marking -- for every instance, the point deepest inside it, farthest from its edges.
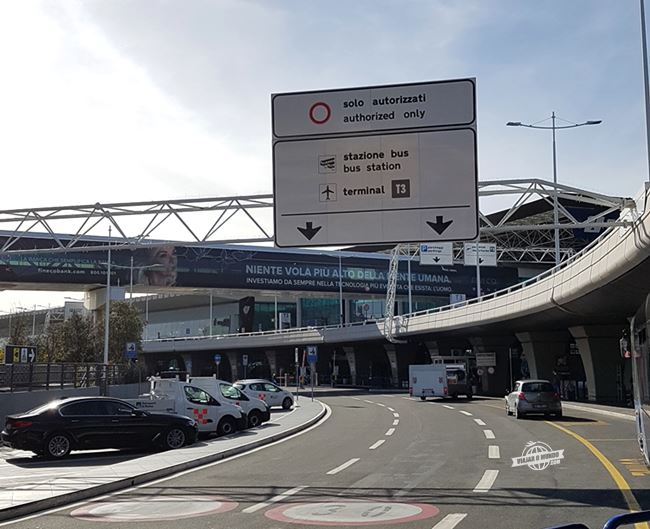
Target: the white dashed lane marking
(368, 402)
(479, 422)
(488, 479)
(493, 452)
(274, 499)
(343, 466)
(466, 413)
(391, 409)
(395, 422)
(448, 407)
(390, 431)
(380, 404)
(489, 434)
(450, 521)
(377, 444)
(395, 414)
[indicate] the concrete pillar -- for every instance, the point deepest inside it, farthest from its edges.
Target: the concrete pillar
(351, 357)
(433, 349)
(187, 359)
(600, 353)
(541, 350)
(233, 358)
(271, 358)
(391, 352)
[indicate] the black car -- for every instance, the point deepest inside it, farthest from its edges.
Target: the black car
(87, 423)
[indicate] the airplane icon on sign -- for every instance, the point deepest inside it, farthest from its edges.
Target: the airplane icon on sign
(327, 192)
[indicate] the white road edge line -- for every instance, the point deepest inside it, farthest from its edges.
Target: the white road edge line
(377, 444)
(343, 466)
(489, 434)
(488, 479)
(494, 452)
(390, 431)
(479, 422)
(395, 414)
(328, 414)
(448, 407)
(395, 422)
(274, 499)
(450, 521)
(465, 413)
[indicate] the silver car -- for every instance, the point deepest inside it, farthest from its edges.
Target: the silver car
(267, 391)
(533, 396)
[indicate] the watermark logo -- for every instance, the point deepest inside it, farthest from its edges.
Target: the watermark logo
(538, 456)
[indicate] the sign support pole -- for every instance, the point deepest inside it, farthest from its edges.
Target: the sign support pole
(297, 373)
(409, 281)
(478, 272)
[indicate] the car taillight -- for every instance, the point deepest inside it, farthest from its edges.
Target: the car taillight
(445, 390)
(19, 424)
(521, 396)
(410, 392)
(556, 396)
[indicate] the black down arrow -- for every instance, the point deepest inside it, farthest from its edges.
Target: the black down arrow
(309, 231)
(439, 226)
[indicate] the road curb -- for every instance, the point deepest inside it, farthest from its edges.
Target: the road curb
(588, 409)
(106, 488)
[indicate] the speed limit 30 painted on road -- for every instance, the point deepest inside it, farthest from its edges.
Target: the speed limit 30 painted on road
(376, 165)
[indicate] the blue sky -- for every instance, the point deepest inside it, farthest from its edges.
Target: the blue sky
(125, 100)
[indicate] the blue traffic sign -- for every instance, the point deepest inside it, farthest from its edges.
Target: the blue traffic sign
(131, 350)
(217, 359)
(312, 354)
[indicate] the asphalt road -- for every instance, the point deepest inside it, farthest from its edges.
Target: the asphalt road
(389, 461)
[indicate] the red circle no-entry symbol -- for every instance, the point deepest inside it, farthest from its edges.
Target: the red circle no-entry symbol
(320, 112)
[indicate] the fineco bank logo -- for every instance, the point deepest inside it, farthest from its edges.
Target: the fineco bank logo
(538, 456)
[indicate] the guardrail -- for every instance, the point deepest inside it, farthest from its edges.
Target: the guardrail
(29, 377)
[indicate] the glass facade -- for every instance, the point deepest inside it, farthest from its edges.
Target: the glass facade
(265, 315)
(320, 311)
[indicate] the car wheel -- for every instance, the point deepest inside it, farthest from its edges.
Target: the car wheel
(559, 415)
(469, 396)
(508, 412)
(57, 446)
(174, 438)
(226, 426)
(287, 403)
(254, 419)
(454, 396)
(518, 414)
(423, 398)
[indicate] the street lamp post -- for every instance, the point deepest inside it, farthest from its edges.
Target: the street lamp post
(554, 127)
(107, 304)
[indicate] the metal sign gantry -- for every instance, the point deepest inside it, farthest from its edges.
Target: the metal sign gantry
(248, 219)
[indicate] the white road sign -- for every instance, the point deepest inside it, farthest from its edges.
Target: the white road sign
(437, 253)
(374, 109)
(395, 176)
(487, 254)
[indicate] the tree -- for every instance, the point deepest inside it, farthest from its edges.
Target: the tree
(74, 340)
(125, 326)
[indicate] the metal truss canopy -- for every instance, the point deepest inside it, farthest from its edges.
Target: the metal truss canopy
(248, 219)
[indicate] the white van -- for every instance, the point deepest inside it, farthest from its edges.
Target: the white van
(171, 395)
(256, 410)
(428, 380)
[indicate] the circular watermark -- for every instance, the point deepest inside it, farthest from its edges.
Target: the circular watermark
(538, 456)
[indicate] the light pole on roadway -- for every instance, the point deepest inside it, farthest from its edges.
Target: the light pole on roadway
(553, 128)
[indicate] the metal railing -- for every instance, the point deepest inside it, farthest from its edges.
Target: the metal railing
(29, 377)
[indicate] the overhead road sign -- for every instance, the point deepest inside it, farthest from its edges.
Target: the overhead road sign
(385, 164)
(487, 254)
(437, 253)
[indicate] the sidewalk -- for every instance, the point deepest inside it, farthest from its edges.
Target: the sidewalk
(611, 411)
(29, 484)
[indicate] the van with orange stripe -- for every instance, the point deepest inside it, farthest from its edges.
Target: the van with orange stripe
(182, 398)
